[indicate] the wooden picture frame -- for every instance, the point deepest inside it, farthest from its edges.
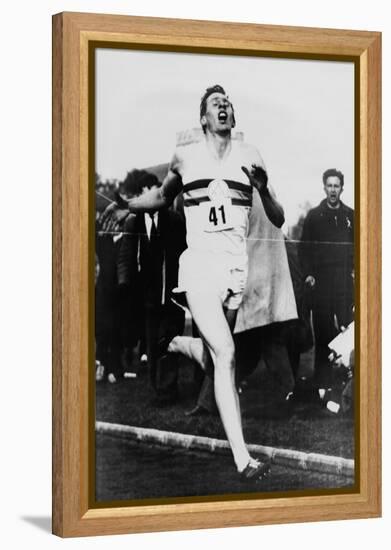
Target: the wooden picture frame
(73, 34)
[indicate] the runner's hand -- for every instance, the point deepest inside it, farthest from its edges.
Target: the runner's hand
(257, 176)
(112, 217)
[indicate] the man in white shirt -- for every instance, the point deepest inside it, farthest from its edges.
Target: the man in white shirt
(217, 177)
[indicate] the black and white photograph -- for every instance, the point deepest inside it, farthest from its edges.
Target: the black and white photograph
(224, 276)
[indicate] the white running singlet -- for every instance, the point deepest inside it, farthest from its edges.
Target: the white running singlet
(217, 198)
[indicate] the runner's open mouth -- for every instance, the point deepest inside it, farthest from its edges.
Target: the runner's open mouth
(222, 116)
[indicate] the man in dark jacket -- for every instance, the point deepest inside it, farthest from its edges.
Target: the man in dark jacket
(148, 266)
(327, 257)
(111, 302)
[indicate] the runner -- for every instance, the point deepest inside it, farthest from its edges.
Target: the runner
(216, 177)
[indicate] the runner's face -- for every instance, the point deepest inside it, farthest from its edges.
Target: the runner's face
(219, 113)
(333, 190)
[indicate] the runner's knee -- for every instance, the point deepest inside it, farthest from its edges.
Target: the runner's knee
(225, 356)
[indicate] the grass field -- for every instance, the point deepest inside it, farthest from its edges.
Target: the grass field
(127, 470)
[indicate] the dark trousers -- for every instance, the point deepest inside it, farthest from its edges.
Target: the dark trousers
(115, 326)
(162, 322)
(332, 308)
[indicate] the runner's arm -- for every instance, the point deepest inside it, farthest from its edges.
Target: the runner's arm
(153, 200)
(259, 179)
(158, 197)
(273, 208)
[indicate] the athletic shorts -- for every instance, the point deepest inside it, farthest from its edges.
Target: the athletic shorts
(210, 273)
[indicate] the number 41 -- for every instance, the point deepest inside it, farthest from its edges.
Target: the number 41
(213, 215)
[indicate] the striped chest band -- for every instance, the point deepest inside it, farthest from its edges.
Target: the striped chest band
(199, 191)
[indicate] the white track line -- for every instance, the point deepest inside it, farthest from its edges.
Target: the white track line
(283, 457)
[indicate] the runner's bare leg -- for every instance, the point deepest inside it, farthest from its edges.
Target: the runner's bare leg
(230, 315)
(208, 314)
(192, 348)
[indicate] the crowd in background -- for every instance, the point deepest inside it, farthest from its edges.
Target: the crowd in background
(135, 316)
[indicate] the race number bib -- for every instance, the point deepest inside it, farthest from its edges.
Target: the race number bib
(217, 214)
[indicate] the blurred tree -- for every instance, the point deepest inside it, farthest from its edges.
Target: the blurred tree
(295, 231)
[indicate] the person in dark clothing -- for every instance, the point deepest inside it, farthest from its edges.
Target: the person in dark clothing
(111, 311)
(113, 332)
(327, 256)
(148, 266)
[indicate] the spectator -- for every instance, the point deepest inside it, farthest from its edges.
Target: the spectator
(111, 301)
(327, 257)
(148, 267)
